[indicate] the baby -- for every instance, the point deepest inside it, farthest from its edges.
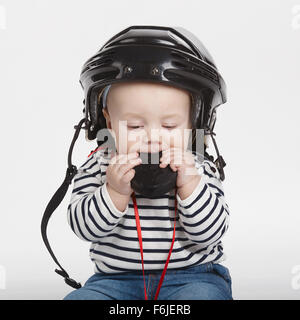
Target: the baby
(102, 209)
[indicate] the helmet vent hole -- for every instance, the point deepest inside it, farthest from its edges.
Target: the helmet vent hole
(179, 64)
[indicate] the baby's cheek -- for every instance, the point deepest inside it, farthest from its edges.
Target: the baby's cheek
(180, 139)
(133, 141)
(171, 140)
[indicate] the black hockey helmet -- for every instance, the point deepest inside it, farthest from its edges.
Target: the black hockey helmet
(172, 56)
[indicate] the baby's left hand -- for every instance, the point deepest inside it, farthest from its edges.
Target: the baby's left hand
(181, 161)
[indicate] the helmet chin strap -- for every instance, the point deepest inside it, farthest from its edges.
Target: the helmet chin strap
(55, 202)
(219, 162)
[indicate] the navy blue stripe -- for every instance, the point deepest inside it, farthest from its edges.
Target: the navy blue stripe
(83, 217)
(150, 228)
(218, 256)
(99, 211)
(215, 187)
(116, 268)
(206, 217)
(156, 218)
(91, 166)
(121, 269)
(104, 164)
(197, 198)
(135, 239)
(199, 210)
(85, 186)
(131, 260)
(140, 206)
(77, 222)
(211, 211)
(104, 202)
(207, 173)
(94, 221)
(87, 161)
(81, 192)
(208, 228)
(207, 239)
(105, 254)
(202, 259)
(223, 230)
(71, 219)
(109, 244)
(226, 211)
(92, 175)
(97, 267)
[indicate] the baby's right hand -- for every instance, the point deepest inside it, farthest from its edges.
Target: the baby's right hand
(119, 172)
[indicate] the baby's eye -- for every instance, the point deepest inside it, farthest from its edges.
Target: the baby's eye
(170, 127)
(133, 127)
(137, 127)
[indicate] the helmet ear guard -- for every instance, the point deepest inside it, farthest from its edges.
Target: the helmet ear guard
(93, 114)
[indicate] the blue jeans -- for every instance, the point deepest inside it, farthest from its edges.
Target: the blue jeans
(208, 281)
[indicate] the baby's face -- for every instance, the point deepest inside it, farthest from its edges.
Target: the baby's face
(148, 117)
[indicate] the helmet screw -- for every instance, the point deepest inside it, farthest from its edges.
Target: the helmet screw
(128, 69)
(92, 127)
(155, 71)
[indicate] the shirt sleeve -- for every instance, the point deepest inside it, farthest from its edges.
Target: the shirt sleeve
(204, 215)
(91, 212)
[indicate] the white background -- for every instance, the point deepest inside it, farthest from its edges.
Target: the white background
(256, 46)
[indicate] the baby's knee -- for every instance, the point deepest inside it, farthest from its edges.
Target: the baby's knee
(86, 294)
(202, 291)
(75, 295)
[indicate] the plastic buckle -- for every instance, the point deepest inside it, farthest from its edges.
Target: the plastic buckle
(220, 162)
(72, 283)
(71, 172)
(68, 280)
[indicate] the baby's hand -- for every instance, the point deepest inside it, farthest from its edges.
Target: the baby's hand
(119, 172)
(181, 161)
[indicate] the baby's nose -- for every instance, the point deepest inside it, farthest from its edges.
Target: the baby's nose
(152, 141)
(153, 135)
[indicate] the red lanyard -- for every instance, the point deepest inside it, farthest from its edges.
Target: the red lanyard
(138, 227)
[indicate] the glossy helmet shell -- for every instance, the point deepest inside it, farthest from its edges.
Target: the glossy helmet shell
(171, 56)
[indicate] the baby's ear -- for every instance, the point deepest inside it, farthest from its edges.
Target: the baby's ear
(105, 112)
(107, 117)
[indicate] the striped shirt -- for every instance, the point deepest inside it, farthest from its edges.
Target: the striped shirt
(201, 221)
